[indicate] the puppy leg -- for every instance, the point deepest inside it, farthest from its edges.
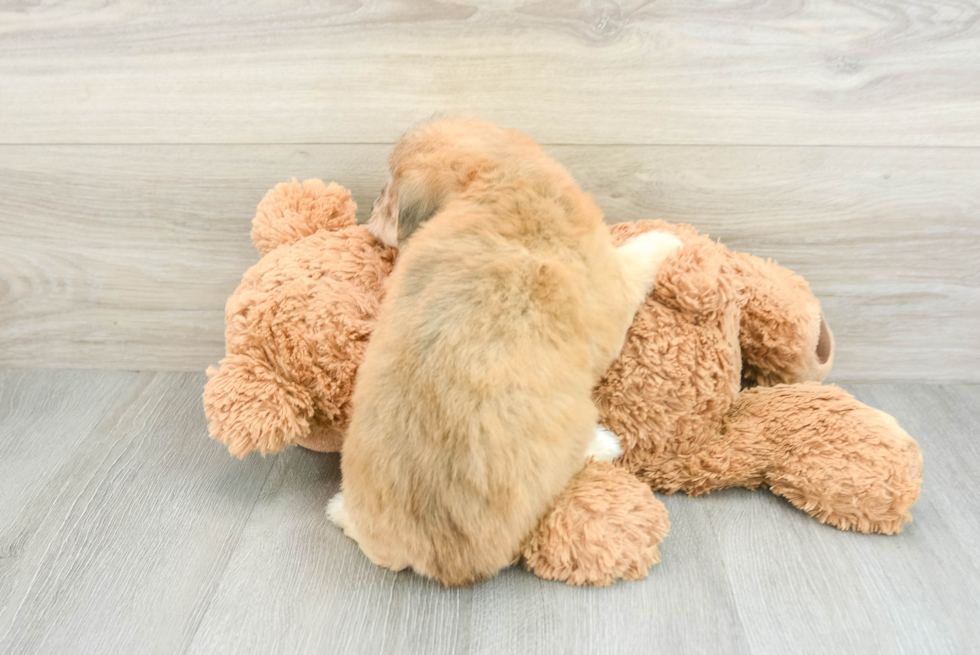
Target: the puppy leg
(337, 513)
(605, 446)
(640, 258)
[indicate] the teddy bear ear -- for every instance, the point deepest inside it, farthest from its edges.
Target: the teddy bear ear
(292, 211)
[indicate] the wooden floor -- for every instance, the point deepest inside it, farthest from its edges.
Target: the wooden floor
(124, 529)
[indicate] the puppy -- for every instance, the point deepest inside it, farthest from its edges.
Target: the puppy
(472, 408)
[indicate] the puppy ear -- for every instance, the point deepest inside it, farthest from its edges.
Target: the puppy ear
(417, 203)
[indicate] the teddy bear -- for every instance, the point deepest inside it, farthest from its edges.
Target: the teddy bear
(297, 325)
(718, 385)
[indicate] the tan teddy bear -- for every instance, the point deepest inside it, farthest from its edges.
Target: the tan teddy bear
(718, 385)
(297, 326)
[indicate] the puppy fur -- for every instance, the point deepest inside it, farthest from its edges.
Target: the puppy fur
(472, 408)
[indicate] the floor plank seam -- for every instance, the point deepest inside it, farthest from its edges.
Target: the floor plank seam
(384, 623)
(37, 572)
(231, 553)
(730, 584)
(68, 514)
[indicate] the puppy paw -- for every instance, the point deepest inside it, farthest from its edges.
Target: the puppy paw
(641, 257)
(605, 445)
(337, 513)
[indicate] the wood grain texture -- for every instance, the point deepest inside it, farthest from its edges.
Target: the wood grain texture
(294, 568)
(946, 419)
(45, 418)
(854, 72)
(686, 606)
(906, 593)
(122, 257)
(115, 534)
(130, 531)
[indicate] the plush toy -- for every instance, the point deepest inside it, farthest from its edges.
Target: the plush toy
(718, 385)
(297, 326)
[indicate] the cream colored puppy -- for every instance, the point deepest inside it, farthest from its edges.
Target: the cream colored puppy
(472, 407)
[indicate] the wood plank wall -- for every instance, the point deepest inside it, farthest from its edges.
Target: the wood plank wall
(842, 139)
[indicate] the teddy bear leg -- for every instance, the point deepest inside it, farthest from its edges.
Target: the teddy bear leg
(324, 436)
(835, 458)
(605, 526)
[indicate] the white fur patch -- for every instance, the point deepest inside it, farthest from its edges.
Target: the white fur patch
(605, 445)
(643, 254)
(337, 513)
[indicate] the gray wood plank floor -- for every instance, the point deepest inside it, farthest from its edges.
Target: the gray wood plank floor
(124, 529)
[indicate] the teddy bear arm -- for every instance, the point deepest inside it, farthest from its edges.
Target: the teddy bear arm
(718, 459)
(249, 407)
(845, 463)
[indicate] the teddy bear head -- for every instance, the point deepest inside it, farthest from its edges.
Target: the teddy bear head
(763, 318)
(297, 325)
(717, 322)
